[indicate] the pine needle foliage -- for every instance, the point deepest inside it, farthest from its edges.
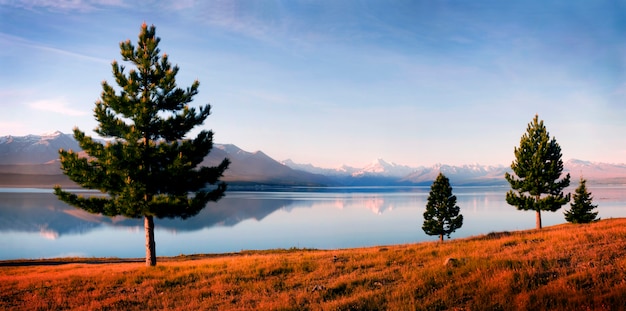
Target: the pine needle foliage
(147, 168)
(538, 166)
(442, 214)
(582, 207)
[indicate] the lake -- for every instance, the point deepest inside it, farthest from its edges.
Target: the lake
(34, 224)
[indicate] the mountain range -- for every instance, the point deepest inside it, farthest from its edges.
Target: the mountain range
(33, 161)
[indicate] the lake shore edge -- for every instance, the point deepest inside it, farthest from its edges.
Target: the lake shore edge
(53, 261)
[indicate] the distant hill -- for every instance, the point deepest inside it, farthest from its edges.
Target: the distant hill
(259, 168)
(32, 161)
(596, 172)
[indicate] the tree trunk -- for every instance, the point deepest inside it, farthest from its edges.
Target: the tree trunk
(538, 219)
(441, 238)
(150, 245)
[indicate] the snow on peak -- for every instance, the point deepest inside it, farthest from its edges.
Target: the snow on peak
(377, 166)
(576, 163)
(230, 149)
(51, 135)
(6, 139)
(384, 168)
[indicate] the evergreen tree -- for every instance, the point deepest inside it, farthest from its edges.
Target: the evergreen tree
(147, 168)
(537, 167)
(582, 206)
(442, 215)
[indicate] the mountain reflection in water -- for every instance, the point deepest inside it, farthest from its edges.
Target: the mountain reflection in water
(44, 213)
(34, 224)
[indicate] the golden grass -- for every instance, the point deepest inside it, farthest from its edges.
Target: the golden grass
(565, 267)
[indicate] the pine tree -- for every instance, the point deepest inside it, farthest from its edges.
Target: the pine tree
(582, 206)
(442, 215)
(537, 167)
(147, 168)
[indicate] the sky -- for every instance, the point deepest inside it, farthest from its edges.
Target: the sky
(340, 82)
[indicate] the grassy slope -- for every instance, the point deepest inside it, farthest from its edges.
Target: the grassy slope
(567, 267)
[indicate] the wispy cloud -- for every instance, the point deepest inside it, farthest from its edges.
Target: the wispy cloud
(232, 16)
(265, 21)
(183, 4)
(10, 39)
(58, 105)
(65, 5)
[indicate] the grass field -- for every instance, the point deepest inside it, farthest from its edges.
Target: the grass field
(565, 267)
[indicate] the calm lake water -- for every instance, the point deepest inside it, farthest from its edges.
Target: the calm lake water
(34, 224)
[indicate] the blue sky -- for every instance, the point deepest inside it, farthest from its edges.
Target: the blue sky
(340, 82)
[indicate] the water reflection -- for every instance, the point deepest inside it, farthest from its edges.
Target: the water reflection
(35, 224)
(45, 214)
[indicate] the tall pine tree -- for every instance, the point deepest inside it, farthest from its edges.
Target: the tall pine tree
(537, 167)
(442, 214)
(582, 207)
(147, 168)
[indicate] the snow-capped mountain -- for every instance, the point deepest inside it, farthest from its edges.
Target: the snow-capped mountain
(381, 172)
(382, 168)
(25, 160)
(379, 168)
(595, 171)
(378, 173)
(340, 171)
(459, 175)
(33, 149)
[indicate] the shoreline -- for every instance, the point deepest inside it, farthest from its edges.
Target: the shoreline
(563, 267)
(56, 261)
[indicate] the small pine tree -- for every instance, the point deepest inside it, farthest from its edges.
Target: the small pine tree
(442, 214)
(148, 168)
(582, 206)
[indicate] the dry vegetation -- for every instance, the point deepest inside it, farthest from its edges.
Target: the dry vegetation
(566, 267)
